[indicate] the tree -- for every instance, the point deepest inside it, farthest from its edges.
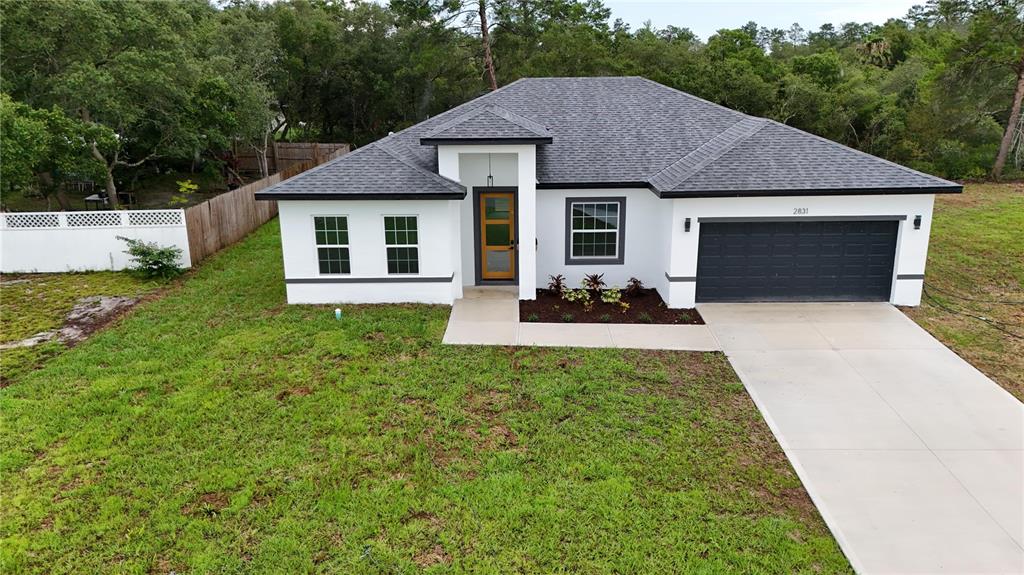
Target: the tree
(42, 148)
(995, 45)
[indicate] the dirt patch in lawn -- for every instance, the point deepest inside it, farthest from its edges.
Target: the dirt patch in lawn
(646, 306)
(433, 556)
(89, 314)
(208, 504)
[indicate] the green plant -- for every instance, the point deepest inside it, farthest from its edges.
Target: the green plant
(152, 260)
(556, 284)
(593, 282)
(533, 317)
(568, 318)
(624, 306)
(185, 190)
(645, 317)
(634, 286)
(578, 296)
(605, 318)
(611, 295)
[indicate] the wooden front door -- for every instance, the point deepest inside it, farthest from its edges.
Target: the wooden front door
(497, 236)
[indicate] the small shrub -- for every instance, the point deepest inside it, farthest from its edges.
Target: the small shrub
(533, 317)
(634, 286)
(594, 282)
(556, 284)
(624, 306)
(151, 260)
(611, 295)
(645, 317)
(577, 296)
(568, 318)
(185, 191)
(605, 318)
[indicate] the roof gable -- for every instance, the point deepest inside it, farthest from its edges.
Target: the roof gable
(371, 172)
(779, 158)
(488, 124)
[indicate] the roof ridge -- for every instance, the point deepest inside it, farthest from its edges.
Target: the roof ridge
(862, 153)
(435, 176)
(682, 169)
(691, 96)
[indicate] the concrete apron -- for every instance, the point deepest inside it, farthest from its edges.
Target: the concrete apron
(490, 316)
(914, 458)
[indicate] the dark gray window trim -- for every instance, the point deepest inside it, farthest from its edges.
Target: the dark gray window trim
(395, 279)
(674, 279)
(621, 259)
(808, 218)
(316, 246)
(387, 246)
(910, 276)
(477, 259)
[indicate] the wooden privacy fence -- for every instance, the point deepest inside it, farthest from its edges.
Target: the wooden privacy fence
(282, 156)
(224, 220)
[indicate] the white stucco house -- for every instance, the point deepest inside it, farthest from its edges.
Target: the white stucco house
(620, 176)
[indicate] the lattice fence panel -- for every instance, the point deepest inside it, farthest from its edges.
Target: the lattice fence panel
(32, 220)
(155, 218)
(94, 219)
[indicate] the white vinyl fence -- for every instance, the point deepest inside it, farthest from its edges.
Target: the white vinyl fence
(84, 241)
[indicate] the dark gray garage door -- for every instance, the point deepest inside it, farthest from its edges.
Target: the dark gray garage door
(796, 260)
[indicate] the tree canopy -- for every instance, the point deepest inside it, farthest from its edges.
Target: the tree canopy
(120, 84)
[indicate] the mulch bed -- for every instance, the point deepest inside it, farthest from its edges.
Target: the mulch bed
(644, 307)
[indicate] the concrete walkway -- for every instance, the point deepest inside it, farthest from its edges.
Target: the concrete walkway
(490, 316)
(914, 458)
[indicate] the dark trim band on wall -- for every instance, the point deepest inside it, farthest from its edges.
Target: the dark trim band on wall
(378, 280)
(668, 194)
(910, 276)
(810, 192)
(356, 196)
(590, 185)
(674, 279)
(809, 218)
(593, 261)
(481, 141)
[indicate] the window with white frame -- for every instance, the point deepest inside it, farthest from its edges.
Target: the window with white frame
(594, 230)
(332, 252)
(401, 237)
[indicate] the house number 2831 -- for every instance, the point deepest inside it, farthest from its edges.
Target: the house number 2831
(801, 211)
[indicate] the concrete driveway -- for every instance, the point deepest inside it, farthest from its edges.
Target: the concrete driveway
(914, 458)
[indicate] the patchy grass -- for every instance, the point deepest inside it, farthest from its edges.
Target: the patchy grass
(33, 303)
(218, 430)
(977, 252)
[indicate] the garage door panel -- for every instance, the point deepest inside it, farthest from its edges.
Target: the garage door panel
(796, 261)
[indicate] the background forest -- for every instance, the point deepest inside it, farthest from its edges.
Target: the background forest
(111, 89)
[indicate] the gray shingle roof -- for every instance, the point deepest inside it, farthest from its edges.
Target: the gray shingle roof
(615, 131)
(488, 123)
(370, 172)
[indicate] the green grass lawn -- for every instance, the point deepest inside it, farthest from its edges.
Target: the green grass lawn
(34, 303)
(217, 429)
(977, 252)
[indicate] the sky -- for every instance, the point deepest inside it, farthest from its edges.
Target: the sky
(704, 18)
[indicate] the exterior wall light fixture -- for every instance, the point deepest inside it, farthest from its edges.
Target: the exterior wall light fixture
(686, 225)
(917, 222)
